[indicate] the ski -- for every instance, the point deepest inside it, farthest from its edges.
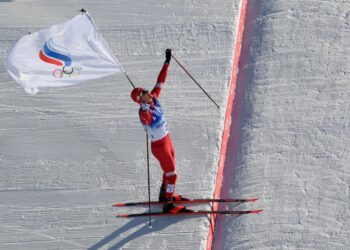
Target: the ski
(183, 201)
(191, 212)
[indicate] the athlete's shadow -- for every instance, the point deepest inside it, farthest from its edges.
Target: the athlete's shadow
(157, 225)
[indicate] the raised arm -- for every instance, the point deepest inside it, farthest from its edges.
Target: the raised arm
(162, 75)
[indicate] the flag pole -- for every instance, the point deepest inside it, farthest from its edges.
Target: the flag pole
(83, 11)
(127, 77)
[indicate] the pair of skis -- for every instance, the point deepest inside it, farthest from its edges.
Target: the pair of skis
(188, 211)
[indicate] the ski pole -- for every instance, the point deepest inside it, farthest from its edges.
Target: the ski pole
(195, 81)
(148, 177)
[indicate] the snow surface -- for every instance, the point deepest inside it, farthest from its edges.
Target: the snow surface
(294, 147)
(67, 154)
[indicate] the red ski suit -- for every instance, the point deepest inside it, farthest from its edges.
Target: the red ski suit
(161, 145)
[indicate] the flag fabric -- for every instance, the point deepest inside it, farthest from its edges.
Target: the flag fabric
(63, 55)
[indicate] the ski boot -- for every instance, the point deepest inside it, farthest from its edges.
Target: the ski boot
(170, 207)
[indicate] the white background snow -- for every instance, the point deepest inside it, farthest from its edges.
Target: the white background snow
(67, 154)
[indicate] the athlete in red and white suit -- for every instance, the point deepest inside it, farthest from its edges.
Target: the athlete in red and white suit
(153, 119)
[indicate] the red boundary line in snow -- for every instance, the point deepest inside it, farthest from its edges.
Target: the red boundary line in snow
(226, 131)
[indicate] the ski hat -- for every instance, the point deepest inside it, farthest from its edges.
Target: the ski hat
(136, 93)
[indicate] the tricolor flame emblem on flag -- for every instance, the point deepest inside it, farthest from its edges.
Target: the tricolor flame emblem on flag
(57, 55)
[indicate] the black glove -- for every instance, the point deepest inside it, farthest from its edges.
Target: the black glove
(167, 55)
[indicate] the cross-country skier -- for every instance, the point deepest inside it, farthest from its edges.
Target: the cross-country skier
(153, 119)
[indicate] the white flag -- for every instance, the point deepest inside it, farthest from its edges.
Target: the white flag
(62, 55)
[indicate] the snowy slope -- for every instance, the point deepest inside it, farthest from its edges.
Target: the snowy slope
(294, 147)
(67, 154)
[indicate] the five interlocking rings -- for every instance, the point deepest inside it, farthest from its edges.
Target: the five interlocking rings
(69, 71)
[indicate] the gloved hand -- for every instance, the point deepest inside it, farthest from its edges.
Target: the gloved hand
(167, 55)
(145, 106)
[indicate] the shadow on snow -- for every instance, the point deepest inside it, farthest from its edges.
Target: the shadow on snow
(157, 225)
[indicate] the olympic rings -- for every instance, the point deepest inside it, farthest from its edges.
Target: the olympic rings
(69, 71)
(57, 73)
